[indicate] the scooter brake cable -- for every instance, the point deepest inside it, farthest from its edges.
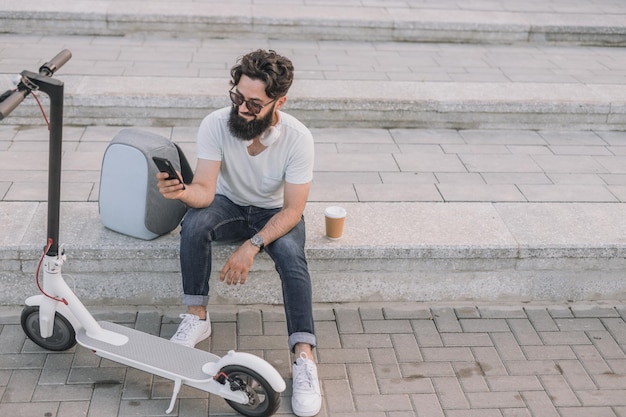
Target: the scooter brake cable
(61, 300)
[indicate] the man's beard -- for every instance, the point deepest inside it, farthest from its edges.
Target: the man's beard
(248, 130)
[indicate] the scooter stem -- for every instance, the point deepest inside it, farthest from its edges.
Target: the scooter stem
(54, 89)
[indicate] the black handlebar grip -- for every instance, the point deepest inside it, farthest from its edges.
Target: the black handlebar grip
(10, 103)
(55, 63)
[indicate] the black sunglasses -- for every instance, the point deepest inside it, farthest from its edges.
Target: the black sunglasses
(252, 106)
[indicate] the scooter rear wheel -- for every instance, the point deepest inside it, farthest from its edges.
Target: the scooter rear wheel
(63, 334)
(264, 401)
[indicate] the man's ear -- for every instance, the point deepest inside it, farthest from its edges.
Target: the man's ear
(280, 102)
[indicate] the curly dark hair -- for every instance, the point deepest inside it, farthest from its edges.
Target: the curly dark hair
(275, 70)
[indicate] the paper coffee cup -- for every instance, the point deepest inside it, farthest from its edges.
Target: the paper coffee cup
(335, 219)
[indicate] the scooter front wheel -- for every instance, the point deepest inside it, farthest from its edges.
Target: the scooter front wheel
(263, 400)
(63, 334)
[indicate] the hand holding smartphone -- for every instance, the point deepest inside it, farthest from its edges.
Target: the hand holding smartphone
(164, 165)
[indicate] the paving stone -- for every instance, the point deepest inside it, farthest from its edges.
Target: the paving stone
(426, 333)
(559, 391)
(137, 384)
(507, 346)
(446, 320)
(467, 312)
(249, 322)
(548, 352)
(386, 370)
(515, 412)
(344, 355)
(406, 348)
(228, 336)
(606, 345)
(149, 322)
(541, 319)
(602, 398)
(362, 378)
(338, 397)
(579, 324)
(99, 375)
(406, 385)
(480, 192)
(575, 375)
(502, 312)
(365, 341)
(466, 339)
(21, 386)
(405, 312)
(450, 392)
(29, 409)
(386, 403)
(617, 328)
(474, 413)
(193, 407)
(387, 326)
(564, 338)
(56, 369)
(471, 376)
(447, 354)
(430, 369)
(580, 411)
(489, 361)
(535, 367)
(560, 312)
(427, 405)
(539, 402)
(514, 383)
(495, 400)
(348, 321)
(327, 334)
(484, 325)
(62, 393)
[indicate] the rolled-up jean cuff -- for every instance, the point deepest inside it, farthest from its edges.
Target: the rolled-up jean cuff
(301, 337)
(195, 300)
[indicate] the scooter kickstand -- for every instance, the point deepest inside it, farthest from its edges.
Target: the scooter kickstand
(177, 384)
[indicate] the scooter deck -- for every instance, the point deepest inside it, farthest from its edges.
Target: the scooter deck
(150, 353)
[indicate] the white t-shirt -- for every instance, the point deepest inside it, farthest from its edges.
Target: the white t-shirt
(257, 180)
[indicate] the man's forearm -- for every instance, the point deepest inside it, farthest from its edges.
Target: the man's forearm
(280, 224)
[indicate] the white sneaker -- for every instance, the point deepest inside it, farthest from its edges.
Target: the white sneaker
(306, 397)
(192, 330)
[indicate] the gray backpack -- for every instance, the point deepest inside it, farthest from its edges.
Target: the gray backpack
(130, 202)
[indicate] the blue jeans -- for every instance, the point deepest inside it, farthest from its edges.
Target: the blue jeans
(225, 221)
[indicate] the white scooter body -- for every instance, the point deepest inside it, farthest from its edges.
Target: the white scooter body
(152, 354)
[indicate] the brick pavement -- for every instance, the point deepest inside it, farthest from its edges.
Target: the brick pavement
(375, 360)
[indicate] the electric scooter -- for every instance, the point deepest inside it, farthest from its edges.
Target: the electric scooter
(56, 319)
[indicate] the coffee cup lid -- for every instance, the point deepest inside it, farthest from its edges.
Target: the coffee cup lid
(335, 212)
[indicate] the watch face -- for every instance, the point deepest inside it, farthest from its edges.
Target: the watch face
(257, 240)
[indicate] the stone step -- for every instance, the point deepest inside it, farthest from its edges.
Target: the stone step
(168, 101)
(579, 23)
(156, 81)
(390, 252)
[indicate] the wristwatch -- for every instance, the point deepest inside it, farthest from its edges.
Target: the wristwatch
(257, 240)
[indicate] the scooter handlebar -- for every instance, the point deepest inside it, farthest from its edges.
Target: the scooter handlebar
(48, 69)
(55, 63)
(11, 102)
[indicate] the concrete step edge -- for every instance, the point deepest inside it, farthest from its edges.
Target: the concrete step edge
(100, 100)
(322, 23)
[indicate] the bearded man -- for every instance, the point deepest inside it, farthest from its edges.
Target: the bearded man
(252, 180)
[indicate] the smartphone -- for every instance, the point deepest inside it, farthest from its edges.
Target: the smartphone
(164, 165)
